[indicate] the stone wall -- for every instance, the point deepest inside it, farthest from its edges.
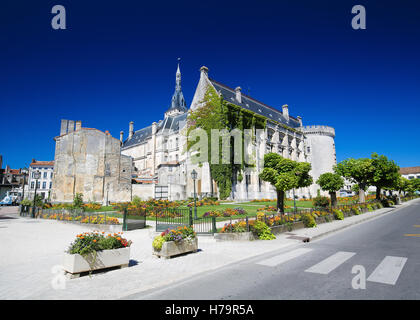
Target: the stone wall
(89, 161)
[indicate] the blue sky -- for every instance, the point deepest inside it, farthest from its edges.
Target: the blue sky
(116, 63)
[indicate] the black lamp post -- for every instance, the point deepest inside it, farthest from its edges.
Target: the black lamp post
(294, 200)
(194, 177)
(36, 176)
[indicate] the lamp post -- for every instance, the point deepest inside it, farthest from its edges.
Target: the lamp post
(294, 200)
(36, 176)
(194, 177)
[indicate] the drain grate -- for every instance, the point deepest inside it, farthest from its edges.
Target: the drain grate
(304, 239)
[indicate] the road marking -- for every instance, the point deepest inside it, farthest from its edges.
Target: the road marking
(388, 270)
(412, 235)
(281, 258)
(331, 263)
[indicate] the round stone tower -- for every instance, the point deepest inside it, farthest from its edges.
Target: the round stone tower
(320, 151)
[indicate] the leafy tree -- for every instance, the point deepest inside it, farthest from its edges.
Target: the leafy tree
(285, 174)
(331, 182)
(360, 171)
(415, 184)
(385, 175)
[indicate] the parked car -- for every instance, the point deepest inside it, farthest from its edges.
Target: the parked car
(8, 200)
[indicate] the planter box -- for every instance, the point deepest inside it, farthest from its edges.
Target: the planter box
(171, 248)
(75, 263)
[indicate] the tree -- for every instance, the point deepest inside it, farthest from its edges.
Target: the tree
(331, 182)
(386, 173)
(359, 171)
(285, 174)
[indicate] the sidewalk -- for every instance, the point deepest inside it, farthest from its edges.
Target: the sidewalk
(31, 248)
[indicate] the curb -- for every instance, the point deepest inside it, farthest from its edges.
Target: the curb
(356, 222)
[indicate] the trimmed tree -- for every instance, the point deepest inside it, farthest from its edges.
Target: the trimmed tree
(331, 182)
(386, 173)
(360, 171)
(285, 174)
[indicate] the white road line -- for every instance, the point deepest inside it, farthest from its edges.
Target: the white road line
(281, 258)
(330, 263)
(388, 270)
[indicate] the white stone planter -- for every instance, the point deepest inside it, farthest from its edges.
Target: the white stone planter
(171, 248)
(74, 264)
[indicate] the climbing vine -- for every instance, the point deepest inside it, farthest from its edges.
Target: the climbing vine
(216, 113)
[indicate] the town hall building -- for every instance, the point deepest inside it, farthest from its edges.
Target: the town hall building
(162, 166)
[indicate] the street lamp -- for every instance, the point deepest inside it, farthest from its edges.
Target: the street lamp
(36, 176)
(194, 177)
(294, 200)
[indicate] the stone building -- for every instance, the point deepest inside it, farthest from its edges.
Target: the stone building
(90, 162)
(164, 167)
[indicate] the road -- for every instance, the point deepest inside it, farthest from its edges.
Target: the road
(386, 250)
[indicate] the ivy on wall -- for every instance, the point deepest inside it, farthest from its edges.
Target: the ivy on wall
(216, 113)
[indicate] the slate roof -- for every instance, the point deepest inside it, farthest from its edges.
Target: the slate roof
(254, 105)
(172, 123)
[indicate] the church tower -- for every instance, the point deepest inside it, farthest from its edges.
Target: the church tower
(178, 105)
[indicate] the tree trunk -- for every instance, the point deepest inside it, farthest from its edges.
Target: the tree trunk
(378, 193)
(333, 196)
(361, 195)
(280, 201)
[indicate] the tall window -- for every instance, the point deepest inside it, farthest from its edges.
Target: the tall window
(32, 185)
(44, 185)
(50, 185)
(45, 175)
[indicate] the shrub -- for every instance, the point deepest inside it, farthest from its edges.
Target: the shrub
(158, 243)
(308, 221)
(356, 211)
(338, 214)
(26, 202)
(78, 200)
(369, 207)
(263, 232)
(321, 202)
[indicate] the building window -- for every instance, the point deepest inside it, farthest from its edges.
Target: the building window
(44, 185)
(45, 175)
(51, 175)
(50, 185)
(32, 185)
(38, 183)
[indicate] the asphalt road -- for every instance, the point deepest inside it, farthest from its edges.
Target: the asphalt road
(387, 249)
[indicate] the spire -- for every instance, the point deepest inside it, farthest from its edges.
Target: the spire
(178, 104)
(178, 77)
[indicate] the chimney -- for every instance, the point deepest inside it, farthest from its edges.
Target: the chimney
(121, 136)
(300, 121)
(204, 71)
(63, 129)
(78, 125)
(286, 112)
(131, 129)
(70, 127)
(238, 94)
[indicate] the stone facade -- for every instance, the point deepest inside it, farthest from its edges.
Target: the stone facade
(90, 162)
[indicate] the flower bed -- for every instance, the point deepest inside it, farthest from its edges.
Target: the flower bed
(173, 242)
(228, 212)
(86, 219)
(94, 251)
